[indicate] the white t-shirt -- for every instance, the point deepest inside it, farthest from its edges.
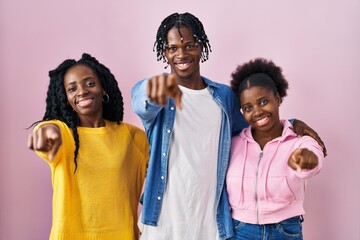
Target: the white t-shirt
(189, 202)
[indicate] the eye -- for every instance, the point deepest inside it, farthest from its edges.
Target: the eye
(71, 89)
(172, 49)
(90, 84)
(263, 102)
(246, 108)
(190, 46)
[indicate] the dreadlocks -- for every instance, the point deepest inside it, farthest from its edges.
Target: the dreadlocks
(57, 106)
(181, 20)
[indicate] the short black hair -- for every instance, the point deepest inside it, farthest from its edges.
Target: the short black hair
(179, 20)
(259, 72)
(57, 106)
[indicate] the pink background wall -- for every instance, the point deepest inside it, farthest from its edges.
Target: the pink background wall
(315, 41)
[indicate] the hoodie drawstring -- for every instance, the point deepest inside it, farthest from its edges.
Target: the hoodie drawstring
(243, 172)
(267, 171)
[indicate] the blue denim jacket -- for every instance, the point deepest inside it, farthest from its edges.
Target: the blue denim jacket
(158, 122)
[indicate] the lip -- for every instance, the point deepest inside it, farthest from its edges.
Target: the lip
(83, 99)
(261, 121)
(84, 102)
(183, 65)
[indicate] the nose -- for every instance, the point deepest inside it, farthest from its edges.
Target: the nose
(257, 110)
(181, 51)
(82, 91)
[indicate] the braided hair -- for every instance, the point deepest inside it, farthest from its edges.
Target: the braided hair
(259, 72)
(57, 106)
(179, 20)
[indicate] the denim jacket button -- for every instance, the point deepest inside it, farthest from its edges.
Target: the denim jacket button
(164, 154)
(172, 108)
(168, 131)
(162, 177)
(159, 198)
(145, 104)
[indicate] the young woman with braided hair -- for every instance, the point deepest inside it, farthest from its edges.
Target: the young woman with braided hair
(269, 164)
(189, 121)
(97, 162)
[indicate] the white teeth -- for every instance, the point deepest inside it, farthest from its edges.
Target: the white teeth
(84, 102)
(260, 121)
(83, 99)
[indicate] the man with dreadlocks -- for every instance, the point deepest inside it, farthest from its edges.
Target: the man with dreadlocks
(98, 162)
(184, 195)
(189, 121)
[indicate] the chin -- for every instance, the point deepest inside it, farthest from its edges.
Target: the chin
(182, 75)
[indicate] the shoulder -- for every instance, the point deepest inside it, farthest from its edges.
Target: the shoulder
(289, 136)
(237, 139)
(131, 127)
(132, 136)
(138, 142)
(220, 89)
(218, 85)
(241, 137)
(137, 135)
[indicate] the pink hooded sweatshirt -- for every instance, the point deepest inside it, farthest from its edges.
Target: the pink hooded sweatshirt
(262, 188)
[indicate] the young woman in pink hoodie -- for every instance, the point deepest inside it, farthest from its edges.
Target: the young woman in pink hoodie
(270, 164)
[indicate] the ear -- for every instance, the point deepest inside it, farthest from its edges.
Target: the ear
(199, 45)
(278, 99)
(166, 59)
(165, 52)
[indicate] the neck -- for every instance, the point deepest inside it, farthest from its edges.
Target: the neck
(193, 81)
(90, 123)
(198, 85)
(264, 137)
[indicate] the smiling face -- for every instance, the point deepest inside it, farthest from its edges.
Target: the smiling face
(183, 55)
(84, 93)
(260, 107)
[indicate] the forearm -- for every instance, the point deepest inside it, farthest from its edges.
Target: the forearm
(314, 147)
(142, 105)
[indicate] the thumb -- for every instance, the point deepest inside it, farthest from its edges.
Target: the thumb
(294, 160)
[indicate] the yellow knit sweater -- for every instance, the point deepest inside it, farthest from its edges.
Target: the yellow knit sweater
(99, 200)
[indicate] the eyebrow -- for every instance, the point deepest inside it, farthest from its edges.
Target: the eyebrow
(258, 99)
(264, 97)
(184, 43)
(84, 79)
